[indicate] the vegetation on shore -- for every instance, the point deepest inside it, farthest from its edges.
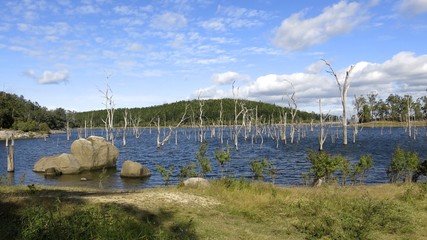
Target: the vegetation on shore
(228, 209)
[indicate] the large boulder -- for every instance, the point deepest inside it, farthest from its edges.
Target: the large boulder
(94, 153)
(134, 170)
(63, 164)
(196, 182)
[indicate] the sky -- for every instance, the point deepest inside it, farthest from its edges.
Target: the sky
(65, 53)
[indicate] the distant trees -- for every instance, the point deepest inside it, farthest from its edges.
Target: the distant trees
(394, 108)
(20, 114)
(171, 113)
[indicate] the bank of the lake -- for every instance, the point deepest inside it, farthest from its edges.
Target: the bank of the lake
(228, 209)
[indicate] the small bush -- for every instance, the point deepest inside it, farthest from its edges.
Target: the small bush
(403, 165)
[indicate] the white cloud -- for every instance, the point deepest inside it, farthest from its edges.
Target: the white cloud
(134, 47)
(404, 73)
(213, 24)
(412, 7)
(297, 33)
(49, 77)
(169, 21)
(228, 77)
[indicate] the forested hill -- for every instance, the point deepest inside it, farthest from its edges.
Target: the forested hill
(171, 113)
(18, 113)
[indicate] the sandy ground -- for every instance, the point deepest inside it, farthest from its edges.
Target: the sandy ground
(151, 198)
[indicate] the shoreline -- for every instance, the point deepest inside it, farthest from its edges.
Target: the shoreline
(7, 134)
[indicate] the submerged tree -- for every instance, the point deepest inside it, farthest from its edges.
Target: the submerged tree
(343, 87)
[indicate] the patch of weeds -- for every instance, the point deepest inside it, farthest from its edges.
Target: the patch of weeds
(356, 218)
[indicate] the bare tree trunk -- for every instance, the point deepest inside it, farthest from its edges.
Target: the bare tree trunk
(201, 104)
(10, 153)
(109, 121)
(68, 130)
(125, 118)
(322, 134)
(171, 130)
(343, 88)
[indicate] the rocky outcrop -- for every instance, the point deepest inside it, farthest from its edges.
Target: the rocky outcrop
(196, 182)
(134, 170)
(63, 163)
(94, 153)
(86, 154)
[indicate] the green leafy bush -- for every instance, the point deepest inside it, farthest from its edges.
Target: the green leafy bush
(403, 165)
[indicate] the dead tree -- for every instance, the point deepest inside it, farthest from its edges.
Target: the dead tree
(343, 88)
(109, 120)
(358, 107)
(10, 149)
(221, 122)
(125, 119)
(243, 111)
(322, 133)
(171, 130)
(135, 126)
(201, 133)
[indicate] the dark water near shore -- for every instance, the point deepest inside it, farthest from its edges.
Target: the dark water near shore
(289, 158)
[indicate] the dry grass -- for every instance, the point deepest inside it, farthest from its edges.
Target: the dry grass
(233, 209)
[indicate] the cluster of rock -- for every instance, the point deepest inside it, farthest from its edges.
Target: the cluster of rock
(86, 154)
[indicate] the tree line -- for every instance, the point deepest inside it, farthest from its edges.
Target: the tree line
(171, 113)
(393, 108)
(18, 113)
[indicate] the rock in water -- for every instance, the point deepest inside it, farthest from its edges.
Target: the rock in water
(86, 154)
(94, 153)
(64, 163)
(134, 170)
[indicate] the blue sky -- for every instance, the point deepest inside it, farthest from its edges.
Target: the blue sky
(63, 53)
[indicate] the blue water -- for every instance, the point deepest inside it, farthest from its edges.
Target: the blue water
(289, 158)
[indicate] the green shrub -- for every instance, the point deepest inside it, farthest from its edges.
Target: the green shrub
(222, 157)
(361, 168)
(165, 173)
(204, 162)
(258, 167)
(403, 165)
(323, 165)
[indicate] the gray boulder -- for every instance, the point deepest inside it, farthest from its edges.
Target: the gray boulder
(94, 153)
(134, 170)
(196, 182)
(64, 163)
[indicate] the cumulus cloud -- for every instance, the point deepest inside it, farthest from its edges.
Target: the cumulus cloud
(49, 77)
(412, 7)
(404, 73)
(297, 33)
(169, 21)
(228, 77)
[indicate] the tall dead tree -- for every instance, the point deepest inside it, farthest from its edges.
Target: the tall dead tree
(343, 87)
(109, 120)
(125, 119)
(201, 132)
(322, 133)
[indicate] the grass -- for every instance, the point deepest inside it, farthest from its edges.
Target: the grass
(228, 209)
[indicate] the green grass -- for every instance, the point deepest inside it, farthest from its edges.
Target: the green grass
(247, 210)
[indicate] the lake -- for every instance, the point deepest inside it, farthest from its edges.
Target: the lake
(289, 159)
